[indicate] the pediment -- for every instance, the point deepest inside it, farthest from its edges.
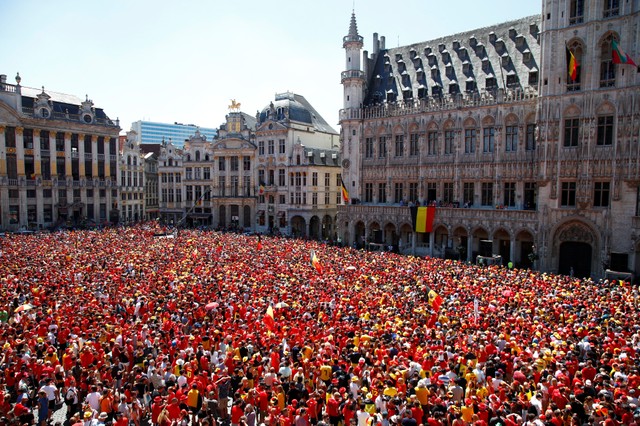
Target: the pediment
(271, 126)
(8, 116)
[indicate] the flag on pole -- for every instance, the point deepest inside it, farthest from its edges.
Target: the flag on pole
(261, 188)
(269, 319)
(422, 218)
(315, 262)
(345, 193)
(572, 65)
(619, 56)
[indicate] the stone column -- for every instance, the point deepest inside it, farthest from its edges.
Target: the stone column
(432, 242)
(3, 153)
(512, 249)
(470, 248)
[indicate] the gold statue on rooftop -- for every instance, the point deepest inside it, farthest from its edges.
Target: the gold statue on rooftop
(235, 106)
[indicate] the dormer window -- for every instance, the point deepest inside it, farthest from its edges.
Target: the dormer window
(466, 67)
(505, 59)
(441, 47)
(470, 85)
(436, 91)
(398, 57)
(512, 79)
(473, 41)
(500, 45)
(486, 65)
(490, 82)
(526, 55)
(492, 37)
(453, 87)
(412, 53)
(432, 59)
(479, 49)
(427, 51)
(519, 40)
(456, 44)
(434, 72)
(533, 77)
(446, 58)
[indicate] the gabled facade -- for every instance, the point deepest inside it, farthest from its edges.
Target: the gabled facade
(58, 160)
(132, 183)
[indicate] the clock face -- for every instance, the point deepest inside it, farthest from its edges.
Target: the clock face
(87, 118)
(346, 163)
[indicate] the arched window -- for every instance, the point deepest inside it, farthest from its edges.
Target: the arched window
(576, 48)
(197, 155)
(607, 68)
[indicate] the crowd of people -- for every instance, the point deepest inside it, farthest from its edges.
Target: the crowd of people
(134, 327)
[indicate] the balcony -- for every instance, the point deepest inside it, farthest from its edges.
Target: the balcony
(447, 215)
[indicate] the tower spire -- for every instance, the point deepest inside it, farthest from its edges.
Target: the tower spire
(353, 29)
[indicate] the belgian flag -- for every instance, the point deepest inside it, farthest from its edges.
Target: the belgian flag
(572, 65)
(422, 218)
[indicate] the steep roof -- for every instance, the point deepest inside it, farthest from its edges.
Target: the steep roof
(497, 56)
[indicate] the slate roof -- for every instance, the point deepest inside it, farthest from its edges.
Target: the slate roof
(62, 103)
(324, 157)
(506, 53)
(298, 109)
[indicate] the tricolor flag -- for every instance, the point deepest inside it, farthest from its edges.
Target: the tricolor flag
(269, 319)
(572, 65)
(619, 56)
(259, 247)
(345, 193)
(422, 218)
(261, 188)
(434, 300)
(315, 262)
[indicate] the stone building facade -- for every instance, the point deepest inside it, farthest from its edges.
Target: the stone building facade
(58, 160)
(521, 160)
(277, 172)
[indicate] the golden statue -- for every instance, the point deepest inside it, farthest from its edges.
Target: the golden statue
(235, 106)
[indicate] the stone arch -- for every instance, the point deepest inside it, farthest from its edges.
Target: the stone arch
(607, 37)
(479, 234)
(414, 127)
(606, 108)
(575, 247)
(406, 232)
(571, 111)
(298, 226)
(530, 118)
(327, 227)
(314, 227)
(440, 240)
(511, 120)
(390, 235)
(525, 245)
(432, 126)
(488, 121)
(502, 244)
(470, 122)
(449, 124)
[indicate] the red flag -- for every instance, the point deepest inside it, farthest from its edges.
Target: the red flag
(269, 320)
(572, 65)
(259, 246)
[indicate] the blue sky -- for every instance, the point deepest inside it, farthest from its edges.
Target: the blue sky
(185, 60)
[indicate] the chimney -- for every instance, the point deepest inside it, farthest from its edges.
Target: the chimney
(3, 78)
(376, 44)
(382, 39)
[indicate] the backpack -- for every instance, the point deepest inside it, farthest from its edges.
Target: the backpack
(70, 397)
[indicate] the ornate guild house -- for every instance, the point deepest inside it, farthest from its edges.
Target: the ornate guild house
(523, 135)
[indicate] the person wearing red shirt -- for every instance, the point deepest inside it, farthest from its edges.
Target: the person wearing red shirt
(173, 409)
(236, 412)
(156, 409)
(333, 409)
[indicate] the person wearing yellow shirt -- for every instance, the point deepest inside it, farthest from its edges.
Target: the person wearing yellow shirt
(422, 394)
(390, 389)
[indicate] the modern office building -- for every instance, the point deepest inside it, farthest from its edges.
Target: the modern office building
(58, 160)
(523, 155)
(176, 133)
